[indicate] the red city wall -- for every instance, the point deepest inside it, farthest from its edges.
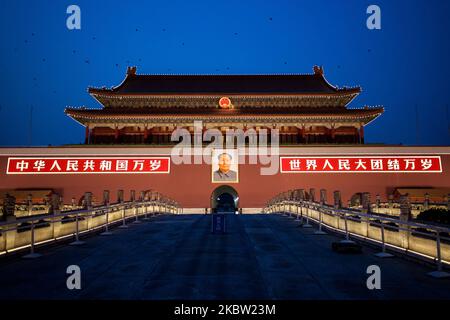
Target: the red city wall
(190, 184)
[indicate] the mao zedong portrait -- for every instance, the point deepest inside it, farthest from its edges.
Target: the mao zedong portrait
(224, 173)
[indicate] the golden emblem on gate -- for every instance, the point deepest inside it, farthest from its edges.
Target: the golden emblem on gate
(225, 103)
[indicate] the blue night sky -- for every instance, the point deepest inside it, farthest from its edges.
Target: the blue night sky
(404, 66)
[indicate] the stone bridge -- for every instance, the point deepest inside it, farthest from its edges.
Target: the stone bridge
(176, 256)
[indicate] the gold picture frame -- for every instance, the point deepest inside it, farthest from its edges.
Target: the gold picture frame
(225, 166)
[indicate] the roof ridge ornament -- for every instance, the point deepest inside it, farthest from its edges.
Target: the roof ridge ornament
(318, 70)
(131, 71)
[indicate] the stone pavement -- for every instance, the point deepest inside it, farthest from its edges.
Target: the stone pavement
(177, 257)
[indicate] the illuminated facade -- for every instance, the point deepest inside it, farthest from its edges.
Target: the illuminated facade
(145, 109)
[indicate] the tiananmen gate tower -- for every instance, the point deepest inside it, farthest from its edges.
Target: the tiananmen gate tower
(128, 145)
(145, 109)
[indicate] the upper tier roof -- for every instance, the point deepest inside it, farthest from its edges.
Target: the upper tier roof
(135, 84)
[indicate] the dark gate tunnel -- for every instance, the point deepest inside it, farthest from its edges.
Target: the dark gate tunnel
(224, 199)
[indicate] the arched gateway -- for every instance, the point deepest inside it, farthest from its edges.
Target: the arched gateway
(224, 199)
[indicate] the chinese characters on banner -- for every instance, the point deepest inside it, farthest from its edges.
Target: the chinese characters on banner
(361, 164)
(88, 165)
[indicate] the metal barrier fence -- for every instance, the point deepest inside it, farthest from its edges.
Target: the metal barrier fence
(20, 233)
(428, 241)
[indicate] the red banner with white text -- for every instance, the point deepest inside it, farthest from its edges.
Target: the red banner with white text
(361, 164)
(93, 165)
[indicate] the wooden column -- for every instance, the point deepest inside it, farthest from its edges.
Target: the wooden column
(116, 135)
(361, 135)
(282, 136)
(326, 136)
(86, 138)
(312, 194)
(151, 140)
(269, 135)
(299, 135)
(92, 136)
(337, 199)
(309, 137)
(145, 135)
(357, 136)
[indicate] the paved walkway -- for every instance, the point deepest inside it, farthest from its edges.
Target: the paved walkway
(176, 257)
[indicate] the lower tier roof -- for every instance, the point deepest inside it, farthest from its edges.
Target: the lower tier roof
(157, 113)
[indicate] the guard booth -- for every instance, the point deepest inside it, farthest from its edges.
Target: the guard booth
(218, 225)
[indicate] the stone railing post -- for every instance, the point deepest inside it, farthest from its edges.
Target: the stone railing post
(87, 205)
(405, 216)
(133, 199)
(30, 204)
(366, 202)
(105, 197)
(357, 199)
(106, 203)
(323, 197)
(426, 202)
(337, 199)
(295, 195)
(366, 208)
(301, 195)
(391, 203)
(301, 198)
(119, 196)
(47, 203)
(312, 195)
(9, 207)
(290, 195)
(142, 199)
(87, 200)
(55, 204)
